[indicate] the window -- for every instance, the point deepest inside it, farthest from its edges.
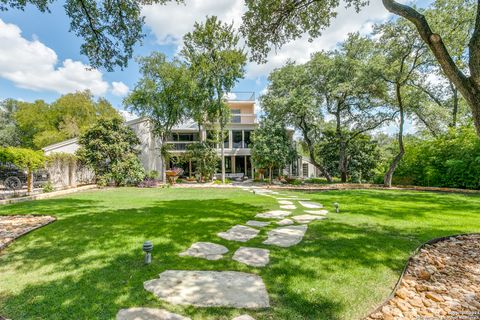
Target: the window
(236, 118)
(183, 137)
(305, 170)
(237, 139)
(247, 143)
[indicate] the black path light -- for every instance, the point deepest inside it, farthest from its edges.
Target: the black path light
(337, 207)
(147, 248)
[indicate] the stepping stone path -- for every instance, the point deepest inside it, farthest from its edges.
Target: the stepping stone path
(274, 214)
(286, 236)
(317, 212)
(229, 288)
(210, 289)
(148, 314)
(205, 250)
(239, 233)
(285, 222)
(258, 224)
(307, 218)
(254, 257)
(311, 205)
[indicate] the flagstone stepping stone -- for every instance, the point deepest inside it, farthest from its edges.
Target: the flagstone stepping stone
(285, 222)
(294, 199)
(255, 223)
(285, 202)
(239, 233)
(307, 218)
(274, 214)
(205, 250)
(210, 289)
(148, 314)
(288, 207)
(254, 257)
(311, 205)
(286, 236)
(317, 212)
(244, 317)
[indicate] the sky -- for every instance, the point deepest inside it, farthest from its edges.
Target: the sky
(40, 58)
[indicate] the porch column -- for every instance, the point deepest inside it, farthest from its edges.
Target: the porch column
(233, 164)
(245, 165)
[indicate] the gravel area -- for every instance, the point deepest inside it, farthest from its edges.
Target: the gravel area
(441, 282)
(12, 227)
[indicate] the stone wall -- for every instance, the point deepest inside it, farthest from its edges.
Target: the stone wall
(66, 174)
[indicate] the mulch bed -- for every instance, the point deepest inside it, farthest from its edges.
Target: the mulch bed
(12, 227)
(442, 281)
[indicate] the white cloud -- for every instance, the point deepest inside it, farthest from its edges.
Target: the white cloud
(119, 89)
(169, 23)
(32, 65)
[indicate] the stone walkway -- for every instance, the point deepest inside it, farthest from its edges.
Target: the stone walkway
(229, 288)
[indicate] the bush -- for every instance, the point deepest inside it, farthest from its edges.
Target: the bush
(48, 187)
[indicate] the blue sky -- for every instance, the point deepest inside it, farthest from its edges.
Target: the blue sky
(41, 58)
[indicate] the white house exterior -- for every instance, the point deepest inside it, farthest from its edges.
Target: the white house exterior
(237, 143)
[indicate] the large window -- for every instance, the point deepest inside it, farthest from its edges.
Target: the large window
(236, 118)
(247, 143)
(237, 139)
(305, 170)
(184, 137)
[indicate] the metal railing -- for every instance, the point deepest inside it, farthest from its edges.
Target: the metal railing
(241, 96)
(243, 118)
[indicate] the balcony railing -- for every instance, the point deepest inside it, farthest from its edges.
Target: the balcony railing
(243, 118)
(241, 96)
(179, 146)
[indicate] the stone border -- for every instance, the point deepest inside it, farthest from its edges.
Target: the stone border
(48, 195)
(409, 261)
(2, 247)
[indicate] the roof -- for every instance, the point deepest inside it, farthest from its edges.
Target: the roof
(60, 144)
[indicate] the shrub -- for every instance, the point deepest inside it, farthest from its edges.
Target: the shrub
(48, 187)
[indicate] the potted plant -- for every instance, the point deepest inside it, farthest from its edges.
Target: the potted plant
(173, 174)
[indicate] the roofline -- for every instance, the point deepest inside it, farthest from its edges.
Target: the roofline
(60, 144)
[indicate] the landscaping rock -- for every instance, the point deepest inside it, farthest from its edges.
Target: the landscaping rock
(274, 214)
(317, 212)
(288, 207)
(244, 317)
(148, 314)
(254, 257)
(285, 222)
(286, 236)
(239, 233)
(205, 250)
(210, 289)
(259, 224)
(307, 218)
(311, 205)
(441, 282)
(12, 227)
(285, 202)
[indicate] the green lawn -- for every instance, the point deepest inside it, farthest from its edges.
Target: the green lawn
(89, 264)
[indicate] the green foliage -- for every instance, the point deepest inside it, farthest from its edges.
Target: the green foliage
(272, 146)
(450, 160)
(48, 187)
(23, 158)
(42, 124)
(205, 159)
(9, 133)
(62, 157)
(109, 149)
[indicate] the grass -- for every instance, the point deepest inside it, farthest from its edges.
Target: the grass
(89, 264)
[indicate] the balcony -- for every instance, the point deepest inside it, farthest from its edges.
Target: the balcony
(241, 96)
(243, 118)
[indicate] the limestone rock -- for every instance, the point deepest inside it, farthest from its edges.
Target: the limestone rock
(239, 233)
(258, 224)
(254, 257)
(274, 214)
(288, 207)
(243, 317)
(205, 250)
(317, 212)
(286, 236)
(148, 314)
(285, 222)
(311, 205)
(210, 289)
(307, 218)
(285, 202)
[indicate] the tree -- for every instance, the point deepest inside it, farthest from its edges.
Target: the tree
(162, 96)
(402, 56)
(272, 147)
(211, 51)
(42, 124)
(110, 29)
(9, 132)
(204, 158)
(109, 149)
(275, 22)
(349, 92)
(291, 100)
(24, 158)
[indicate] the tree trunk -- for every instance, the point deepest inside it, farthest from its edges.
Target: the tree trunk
(164, 164)
(311, 152)
(469, 87)
(29, 181)
(387, 180)
(270, 175)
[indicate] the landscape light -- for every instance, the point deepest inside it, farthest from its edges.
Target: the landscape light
(337, 207)
(147, 248)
